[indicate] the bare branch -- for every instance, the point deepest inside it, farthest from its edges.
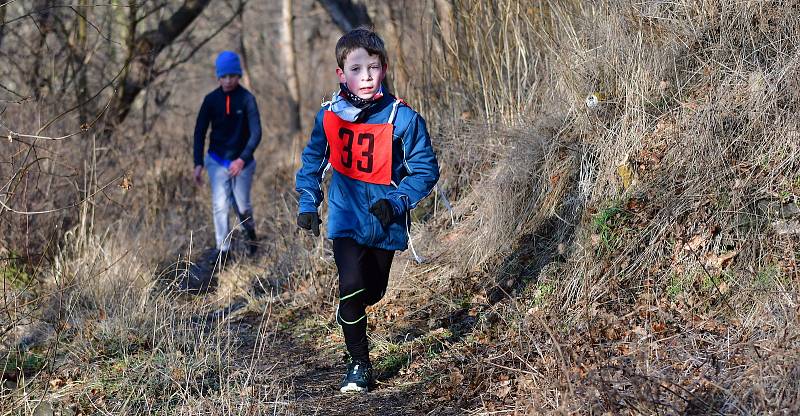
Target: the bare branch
(202, 43)
(142, 55)
(22, 172)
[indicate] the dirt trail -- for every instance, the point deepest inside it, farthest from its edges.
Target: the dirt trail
(311, 373)
(313, 376)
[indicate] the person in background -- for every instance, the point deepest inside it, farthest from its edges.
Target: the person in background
(233, 115)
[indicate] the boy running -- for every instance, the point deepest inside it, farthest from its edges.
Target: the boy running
(383, 165)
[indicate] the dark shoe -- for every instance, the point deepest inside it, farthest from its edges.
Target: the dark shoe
(358, 378)
(251, 244)
(194, 281)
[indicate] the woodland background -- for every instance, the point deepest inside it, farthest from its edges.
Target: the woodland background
(637, 256)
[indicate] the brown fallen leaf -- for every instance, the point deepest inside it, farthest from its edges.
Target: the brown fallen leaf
(721, 261)
(505, 388)
(126, 182)
(659, 327)
(57, 382)
(696, 242)
(456, 377)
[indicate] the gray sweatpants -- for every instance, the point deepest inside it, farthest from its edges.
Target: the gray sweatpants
(228, 191)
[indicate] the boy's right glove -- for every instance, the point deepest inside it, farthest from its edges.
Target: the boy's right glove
(384, 211)
(309, 221)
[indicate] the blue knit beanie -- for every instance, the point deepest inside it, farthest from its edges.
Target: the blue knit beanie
(228, 64)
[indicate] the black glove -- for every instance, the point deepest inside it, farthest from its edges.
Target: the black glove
(309, 221)
(383, 210)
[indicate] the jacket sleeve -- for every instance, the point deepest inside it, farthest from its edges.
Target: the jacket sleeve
(200, 129)
(420, 163)
(308, 180)
(254, 126)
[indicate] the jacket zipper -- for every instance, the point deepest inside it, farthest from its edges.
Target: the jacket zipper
(372, 218)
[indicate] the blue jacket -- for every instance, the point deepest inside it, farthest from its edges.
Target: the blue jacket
(415, 171)
(235, 125)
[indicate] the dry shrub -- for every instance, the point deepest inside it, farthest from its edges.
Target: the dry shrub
(678, 182)
(524, 186)
(489, 65)
(143, 349)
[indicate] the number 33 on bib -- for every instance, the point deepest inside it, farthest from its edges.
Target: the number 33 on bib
(358, 150)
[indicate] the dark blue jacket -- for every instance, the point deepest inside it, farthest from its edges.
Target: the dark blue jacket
(235, 125)
(415, 171)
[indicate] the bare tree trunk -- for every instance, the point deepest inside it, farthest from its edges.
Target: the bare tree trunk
(397, 64)
(2, 22)
(118, 28)
(444, 15)
(246, 78)
(347, 14)
(130, 45)
(290, 65)
(82, 86)
(43, 19)
(142, 53)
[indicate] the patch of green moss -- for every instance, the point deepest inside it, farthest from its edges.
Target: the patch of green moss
(606, 225)
(17, 362)
(15, 271)
(392, 361)
(769, 277)
(678, 283)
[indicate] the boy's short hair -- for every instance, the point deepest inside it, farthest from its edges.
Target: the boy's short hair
(360, 37)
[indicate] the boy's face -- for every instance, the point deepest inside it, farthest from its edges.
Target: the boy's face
(229, 82)
(362, 73)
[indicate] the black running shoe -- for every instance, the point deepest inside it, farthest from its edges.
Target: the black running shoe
(251, 243)
(196, 279)
(358, 378)
(193, 282)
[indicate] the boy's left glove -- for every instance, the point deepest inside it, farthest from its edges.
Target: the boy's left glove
(309, 221)
(384, 210)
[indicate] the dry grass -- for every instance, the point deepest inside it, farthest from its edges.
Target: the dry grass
(623, 259)
(644, 276)
(111, 339)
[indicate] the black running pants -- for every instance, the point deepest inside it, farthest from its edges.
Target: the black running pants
(363, 277)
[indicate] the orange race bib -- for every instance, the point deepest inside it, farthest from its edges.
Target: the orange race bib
(358, 150)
